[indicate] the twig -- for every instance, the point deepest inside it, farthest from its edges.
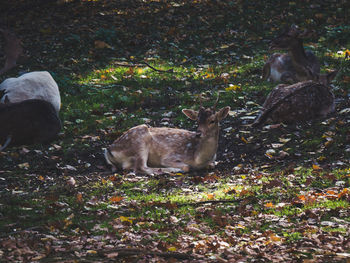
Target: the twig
(143, 64)
(20, 231)
(158, 70)
(124, 252)
(211, 202)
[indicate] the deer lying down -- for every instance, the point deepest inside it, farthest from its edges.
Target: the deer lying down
(144, 148)
(302, 101)
(32, 85)
(28, 122)
(297, 65)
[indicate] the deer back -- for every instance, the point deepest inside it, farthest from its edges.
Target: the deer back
(299, 102)
(32, 85)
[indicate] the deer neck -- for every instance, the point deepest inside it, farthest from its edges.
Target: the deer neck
(298, 55)
(206, 149)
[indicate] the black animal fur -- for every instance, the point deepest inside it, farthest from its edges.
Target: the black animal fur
(28, 122)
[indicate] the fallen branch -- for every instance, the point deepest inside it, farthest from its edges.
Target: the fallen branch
(125, 252)
(142, 64)
(211, 202)
(7, 142)
(20, 231)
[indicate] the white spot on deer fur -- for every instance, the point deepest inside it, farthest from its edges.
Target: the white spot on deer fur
(275, 74)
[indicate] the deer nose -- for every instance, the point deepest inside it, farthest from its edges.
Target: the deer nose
(198, 134)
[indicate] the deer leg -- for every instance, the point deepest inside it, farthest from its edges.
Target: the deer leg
(288, 77)
(7, 142)
(175, 165)
(266, 71)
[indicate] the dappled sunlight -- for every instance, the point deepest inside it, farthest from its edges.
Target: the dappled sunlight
(279, 192)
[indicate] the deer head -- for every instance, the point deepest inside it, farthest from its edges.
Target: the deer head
(290, 37)
(12, 49)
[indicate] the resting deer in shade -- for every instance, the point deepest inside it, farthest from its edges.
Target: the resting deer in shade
(297, 65)
(28, 122)
(302, 101)
(162, 150)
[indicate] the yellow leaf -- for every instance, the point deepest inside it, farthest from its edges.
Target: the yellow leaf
(232, 87)
(172, 249)
(91, 252)
(103, 77)
(244, 140)
(125, 219)
(139, 70)
(41, 178)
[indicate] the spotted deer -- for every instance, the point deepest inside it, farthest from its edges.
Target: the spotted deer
(297, 65)
(165, 150)
(305, 100)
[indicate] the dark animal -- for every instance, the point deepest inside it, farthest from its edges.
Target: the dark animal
(28, 122)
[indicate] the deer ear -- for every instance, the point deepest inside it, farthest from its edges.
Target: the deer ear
(293, 30)
(192, 114)
(222, 113)
(331, 75)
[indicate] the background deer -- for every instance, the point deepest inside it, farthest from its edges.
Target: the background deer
(12, 49)
(28, 122)
(302, 101)
(33, 85)
(161, 150)
(297, 65)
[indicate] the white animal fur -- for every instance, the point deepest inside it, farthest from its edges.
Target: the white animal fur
(32, 85)
(143, 148)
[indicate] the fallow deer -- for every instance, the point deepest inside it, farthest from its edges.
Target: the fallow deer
(164, 150)
(32, 85)
(12, 49)
(302, 101)
(297, 65)
(28, 122)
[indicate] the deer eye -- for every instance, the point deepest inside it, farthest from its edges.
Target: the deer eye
(212, 122)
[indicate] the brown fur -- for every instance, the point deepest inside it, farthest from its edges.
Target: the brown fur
(157, 150)
(302, 101)
(297, 65)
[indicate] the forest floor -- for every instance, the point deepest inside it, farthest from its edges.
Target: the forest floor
(278, 193)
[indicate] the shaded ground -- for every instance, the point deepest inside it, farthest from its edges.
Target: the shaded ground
(279, 193)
